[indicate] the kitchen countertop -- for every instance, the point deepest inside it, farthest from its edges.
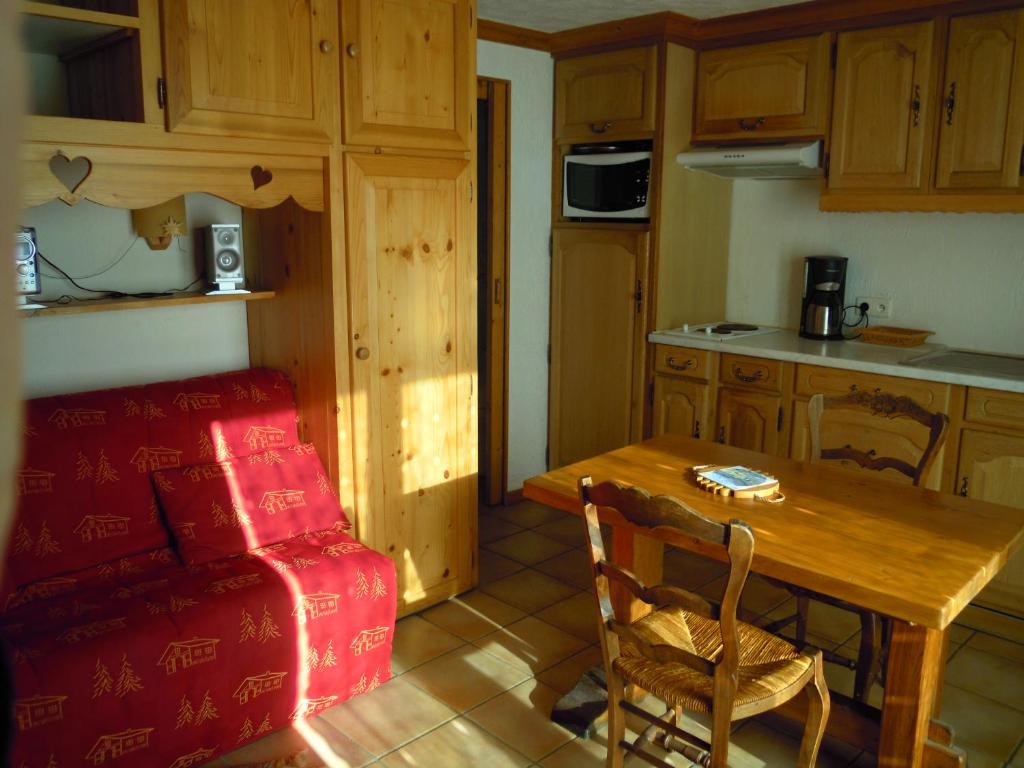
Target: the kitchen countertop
(850, 355)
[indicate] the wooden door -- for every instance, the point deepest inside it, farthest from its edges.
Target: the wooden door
(991, 468)
(680, 407)
(777, 89)
(982, 117)
(409, 70)
(606, 95)
(597, 308)
(749, 420)
(412, 303)
(882, 108)
(262, 68)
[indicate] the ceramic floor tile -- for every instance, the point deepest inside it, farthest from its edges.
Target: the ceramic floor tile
(494, 567)
(417, 641)
(757, 746)
(564, 675)
(310, 744)
(577, 615)
(572, 567)
(527, 547)
(840, 679)
(569, 530)
(466, 677)
(531, 644)
(1018, 756)
(457, 744)
(997, 646)
(530, 514)
(981, 725)
(960, 634)
(529, 590)
(522, 716)
(988, 675)
(492, 527)
(472, 615)
(690, 571)
(388, 717)
(579, 753)
(825, 621)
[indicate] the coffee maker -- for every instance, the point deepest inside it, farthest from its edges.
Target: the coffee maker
(821, 313)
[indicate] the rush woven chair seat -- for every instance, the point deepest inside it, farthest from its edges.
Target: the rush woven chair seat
(692, 654)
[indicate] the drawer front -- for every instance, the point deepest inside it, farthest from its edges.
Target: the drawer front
(1000, 409)
(753, 372)
(812, 379)
(681, 361)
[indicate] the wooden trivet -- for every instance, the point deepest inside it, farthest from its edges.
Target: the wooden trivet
(768, 492)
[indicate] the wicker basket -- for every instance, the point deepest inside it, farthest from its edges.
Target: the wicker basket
(894, 337)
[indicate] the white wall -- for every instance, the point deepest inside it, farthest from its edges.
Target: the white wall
(532, 76)
(960, 275)
(87, 351)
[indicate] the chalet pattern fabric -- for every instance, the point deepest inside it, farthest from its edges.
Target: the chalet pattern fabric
(225, 508)
(123, 656)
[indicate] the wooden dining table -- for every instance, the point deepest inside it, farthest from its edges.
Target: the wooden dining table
(914, 555)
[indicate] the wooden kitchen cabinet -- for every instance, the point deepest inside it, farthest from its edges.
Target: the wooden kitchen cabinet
(262, 68)
(772, 90)
(681, 407)
(883, 104)
(981, 122)
(598, 305)
(606, 95)
(409, 72)
(412, 303)
(750, 419)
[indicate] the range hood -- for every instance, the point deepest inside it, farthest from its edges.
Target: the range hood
(777, 161)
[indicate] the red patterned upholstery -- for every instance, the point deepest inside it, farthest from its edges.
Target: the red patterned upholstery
(124, 656)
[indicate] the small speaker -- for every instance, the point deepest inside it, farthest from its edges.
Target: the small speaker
(225, 264)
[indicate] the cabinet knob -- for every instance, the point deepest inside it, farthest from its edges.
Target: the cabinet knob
(752, 125)
(363, 353)
(326, 46)
(352, 50)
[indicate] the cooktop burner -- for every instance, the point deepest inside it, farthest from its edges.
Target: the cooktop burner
(721, 331)
(730, 327)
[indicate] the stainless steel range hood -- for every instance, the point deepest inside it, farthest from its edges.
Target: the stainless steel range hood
(778, 161)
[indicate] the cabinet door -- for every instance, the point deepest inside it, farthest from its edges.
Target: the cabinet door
(749, 420)
(596, 342)
(262, 68)
(770, 90)
(412, 279)
(605, 95)
(992, 469)
(680, 407)
(882, 108)
(982, 117)
(409, 70)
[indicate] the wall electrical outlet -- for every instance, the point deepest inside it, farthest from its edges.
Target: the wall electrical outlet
(877, 306)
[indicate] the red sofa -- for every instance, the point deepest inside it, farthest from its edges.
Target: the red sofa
(130, 649)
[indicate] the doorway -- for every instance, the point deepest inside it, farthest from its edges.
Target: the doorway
(493, 114)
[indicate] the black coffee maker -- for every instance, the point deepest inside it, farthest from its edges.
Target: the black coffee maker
(821, 313)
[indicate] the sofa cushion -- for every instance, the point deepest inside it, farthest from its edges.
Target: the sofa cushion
(226, 508)
(84, 491)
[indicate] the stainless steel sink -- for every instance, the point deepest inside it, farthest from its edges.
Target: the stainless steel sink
(959, 361)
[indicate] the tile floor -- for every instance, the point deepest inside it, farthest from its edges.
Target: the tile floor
(475, 678)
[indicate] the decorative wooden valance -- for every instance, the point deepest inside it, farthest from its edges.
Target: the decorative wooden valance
(139, 178)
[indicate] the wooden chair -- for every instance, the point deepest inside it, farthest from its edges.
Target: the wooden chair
(690, 653)
(870, 662)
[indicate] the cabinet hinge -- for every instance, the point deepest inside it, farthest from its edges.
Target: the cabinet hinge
(551, 246)
(161, 92)
(650, 393)
(826, 163)
(549, 354)
(639, 296)
(471, 191)
(834, 55)
(778, 422)
(471, 18)
(547, 457)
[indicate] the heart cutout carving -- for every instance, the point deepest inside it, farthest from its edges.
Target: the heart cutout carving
(260, 177)
(71, 173)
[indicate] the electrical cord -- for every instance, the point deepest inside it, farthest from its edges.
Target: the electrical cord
(103, 271)
(108, 293)
(863, 309)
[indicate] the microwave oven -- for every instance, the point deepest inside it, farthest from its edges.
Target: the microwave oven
(607, 181)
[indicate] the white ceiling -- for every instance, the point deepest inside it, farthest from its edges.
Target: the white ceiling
(558, 15)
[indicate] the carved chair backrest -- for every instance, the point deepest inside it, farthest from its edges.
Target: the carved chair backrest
(881, 405)
(676, 524)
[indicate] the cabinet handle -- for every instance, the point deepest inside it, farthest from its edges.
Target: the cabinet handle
(721, 435)
(326, 46)
(915, 105)
(753, 125)
(671, 363)
(963, 486)
(696, 428)
(352, 50)
(748, 378)
(600, 127)
(363, 353)
(951, 103)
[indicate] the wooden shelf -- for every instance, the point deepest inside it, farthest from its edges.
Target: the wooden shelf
(110, 305)
(67, 13)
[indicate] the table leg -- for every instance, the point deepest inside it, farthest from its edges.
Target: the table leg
(910, 686)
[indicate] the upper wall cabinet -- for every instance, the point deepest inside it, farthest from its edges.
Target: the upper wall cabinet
(262, 68)
(982, 121)
(883, 104)
(764, 91)
(606, 95)
(409, 72)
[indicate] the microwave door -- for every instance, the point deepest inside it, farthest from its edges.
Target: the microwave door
(615, 188)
